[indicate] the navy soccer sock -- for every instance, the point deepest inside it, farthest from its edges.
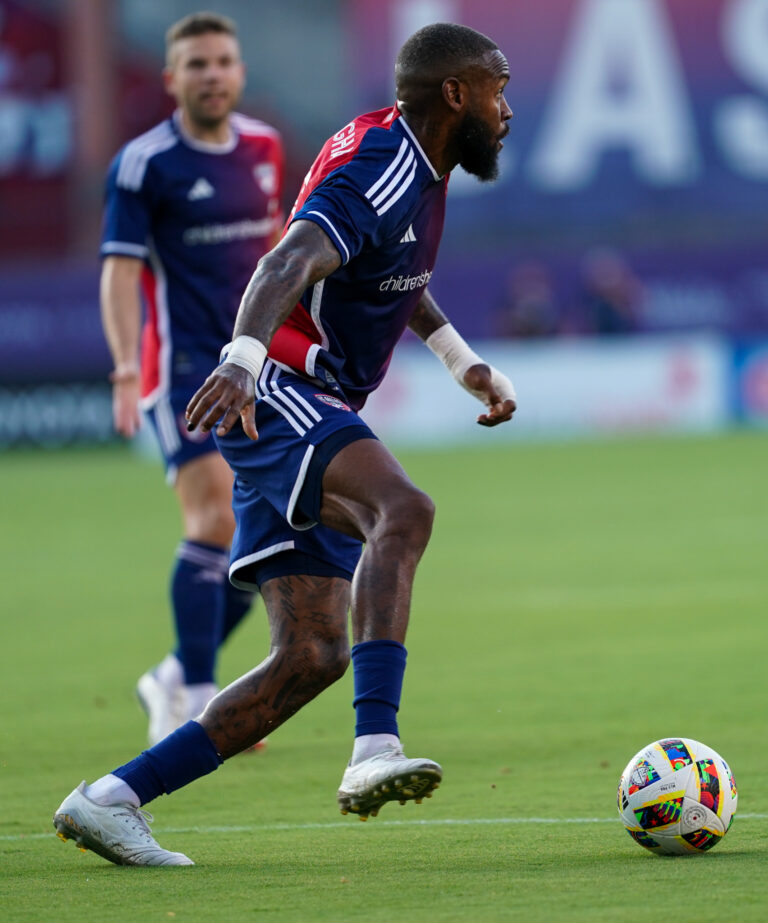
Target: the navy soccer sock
(198, 588)
(236, 606)
(379, 667)
(183, 756)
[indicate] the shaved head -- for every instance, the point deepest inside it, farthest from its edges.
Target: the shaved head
(438, 51)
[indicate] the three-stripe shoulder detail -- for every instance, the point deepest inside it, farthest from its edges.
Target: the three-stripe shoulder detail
(244, 125)
(137, 154)
(395, 180)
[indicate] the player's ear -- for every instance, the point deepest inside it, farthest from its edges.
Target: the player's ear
(168, 80)
(454, 93)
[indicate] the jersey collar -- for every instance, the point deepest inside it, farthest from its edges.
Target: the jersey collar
(206, 146)
(418, 147)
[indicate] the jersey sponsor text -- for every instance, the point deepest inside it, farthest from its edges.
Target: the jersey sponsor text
(406, 283)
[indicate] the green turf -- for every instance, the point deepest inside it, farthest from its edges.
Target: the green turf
(577, 601)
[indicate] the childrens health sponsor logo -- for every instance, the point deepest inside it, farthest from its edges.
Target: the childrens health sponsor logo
(406, 283)
(224, 233)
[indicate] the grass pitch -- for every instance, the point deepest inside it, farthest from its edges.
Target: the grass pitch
(576, 602)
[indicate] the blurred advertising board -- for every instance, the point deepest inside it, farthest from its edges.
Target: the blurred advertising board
(49, 324)
(751, 383)
(53, 358)
(48, 185)
(565, 388)
(36, 131)
(640, 125)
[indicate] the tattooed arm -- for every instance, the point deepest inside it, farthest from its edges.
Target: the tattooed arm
(304, 256)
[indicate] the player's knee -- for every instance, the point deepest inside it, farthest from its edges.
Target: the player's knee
(214, 524)
(409, 516)
(403, 521)
(324, 658)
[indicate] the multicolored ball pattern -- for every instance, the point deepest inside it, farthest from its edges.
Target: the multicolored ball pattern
(677, 796)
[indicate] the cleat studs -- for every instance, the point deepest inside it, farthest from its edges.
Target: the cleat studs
(408, 791)
(398, 783)
(82, 849)
(61, 836)
(375, 812)
(414, 778)
(427, 794)
(363, 817)
(402, 802)
(354, 807)
(385, 789)
(417, 800)
(344, 811)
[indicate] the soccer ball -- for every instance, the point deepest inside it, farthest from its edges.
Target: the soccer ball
(677, 796)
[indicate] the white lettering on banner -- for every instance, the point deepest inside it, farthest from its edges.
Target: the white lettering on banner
(620, 87)
(35, 134)
(741, 123)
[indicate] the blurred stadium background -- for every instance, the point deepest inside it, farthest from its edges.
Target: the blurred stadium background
(619, 265)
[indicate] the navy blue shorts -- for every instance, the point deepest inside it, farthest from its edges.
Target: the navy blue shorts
(278, 482)
(177, 445)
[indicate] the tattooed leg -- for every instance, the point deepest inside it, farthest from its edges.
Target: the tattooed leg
(367, 494)
(309, 652)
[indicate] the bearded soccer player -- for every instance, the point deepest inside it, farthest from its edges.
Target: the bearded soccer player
(191, 206)
(328, 523)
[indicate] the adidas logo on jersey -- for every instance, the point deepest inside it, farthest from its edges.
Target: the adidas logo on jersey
(202, 189)
(409, 237)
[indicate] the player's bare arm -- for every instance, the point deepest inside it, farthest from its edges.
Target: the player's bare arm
(121, 319)
(304, 256)
(483, 381)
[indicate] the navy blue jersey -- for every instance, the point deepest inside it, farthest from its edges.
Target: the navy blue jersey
(375, 193)
(200, 216)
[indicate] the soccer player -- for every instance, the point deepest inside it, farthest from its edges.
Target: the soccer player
(191, 206)
(313, 337)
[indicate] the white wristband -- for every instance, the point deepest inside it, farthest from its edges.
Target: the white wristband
(455, 354)
(249, 353)
(453, 351)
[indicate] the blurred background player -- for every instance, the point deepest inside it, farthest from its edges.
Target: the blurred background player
(610, 297)
(191, 206)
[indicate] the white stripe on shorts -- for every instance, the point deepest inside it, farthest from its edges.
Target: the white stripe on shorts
(294, 408)
(253, 558)
(268, 399)
(166, 427)
(304, 403)
(297, 490)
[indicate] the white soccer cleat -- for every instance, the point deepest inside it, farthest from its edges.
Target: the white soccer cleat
(118, 832)
(162, 703)
(386, 776)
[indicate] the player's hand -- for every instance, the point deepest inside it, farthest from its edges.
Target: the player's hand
(226, 394)
(125, 404)
(494, 390)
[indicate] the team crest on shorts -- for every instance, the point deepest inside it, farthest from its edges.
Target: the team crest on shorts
(332, 401)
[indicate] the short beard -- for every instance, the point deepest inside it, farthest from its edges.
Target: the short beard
(478, 153)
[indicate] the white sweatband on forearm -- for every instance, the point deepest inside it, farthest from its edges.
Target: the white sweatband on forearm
(249, 353)
(455, 354)
(453, 351)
